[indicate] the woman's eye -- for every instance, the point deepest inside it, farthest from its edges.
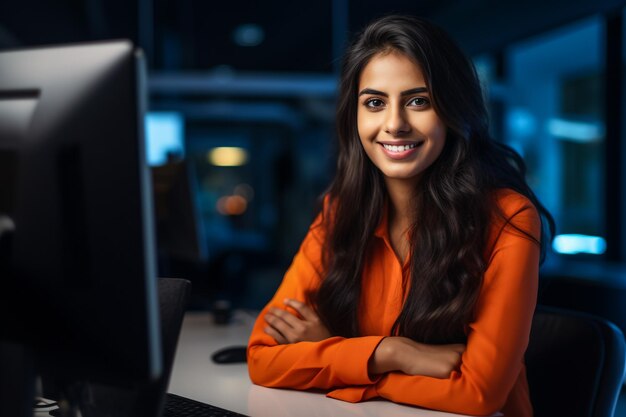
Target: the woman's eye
(374, 102)
(419, 102)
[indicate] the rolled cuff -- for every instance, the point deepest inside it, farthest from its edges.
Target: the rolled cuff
(352, 359)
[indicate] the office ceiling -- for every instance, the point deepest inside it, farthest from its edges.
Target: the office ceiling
(299, 36)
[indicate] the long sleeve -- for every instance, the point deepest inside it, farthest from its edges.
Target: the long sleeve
(491, 377)
(334, 362)
(493, 360)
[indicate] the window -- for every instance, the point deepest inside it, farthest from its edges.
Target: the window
(553, 103)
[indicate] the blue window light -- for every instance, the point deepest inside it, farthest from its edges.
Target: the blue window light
(575, 244)
(164, 136)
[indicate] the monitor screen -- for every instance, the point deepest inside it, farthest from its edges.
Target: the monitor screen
(179, 226)
(165, 133)
(77, 256)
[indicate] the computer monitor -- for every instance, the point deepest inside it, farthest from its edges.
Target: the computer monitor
(179, 227)
(77, 267)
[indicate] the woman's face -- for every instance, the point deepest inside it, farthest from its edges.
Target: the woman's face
(398, 127)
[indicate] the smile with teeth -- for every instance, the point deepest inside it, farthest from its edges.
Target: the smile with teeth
(401, 148)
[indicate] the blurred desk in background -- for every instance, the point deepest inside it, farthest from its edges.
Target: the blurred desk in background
(228, 386)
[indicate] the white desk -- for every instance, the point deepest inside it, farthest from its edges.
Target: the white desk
(228, 386)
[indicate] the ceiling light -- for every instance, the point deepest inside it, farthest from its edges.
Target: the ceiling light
(248, 35)
(227, 156)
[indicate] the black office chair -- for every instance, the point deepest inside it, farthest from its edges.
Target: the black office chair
(575, 364)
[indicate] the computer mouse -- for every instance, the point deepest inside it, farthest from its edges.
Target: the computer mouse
(231, 354)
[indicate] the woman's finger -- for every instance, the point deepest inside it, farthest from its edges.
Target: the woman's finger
(280, 326)
(280, 322)
(286, 316)
(304, 310)
(280, 339)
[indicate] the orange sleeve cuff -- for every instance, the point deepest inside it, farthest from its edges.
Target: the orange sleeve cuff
(354, 355)
(352, 358)
(354, 394)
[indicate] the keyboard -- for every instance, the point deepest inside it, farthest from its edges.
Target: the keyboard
(177, 406)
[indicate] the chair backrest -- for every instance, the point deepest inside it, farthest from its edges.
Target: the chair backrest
(575, 364)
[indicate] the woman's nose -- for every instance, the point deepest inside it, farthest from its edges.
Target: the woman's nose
(396, 123)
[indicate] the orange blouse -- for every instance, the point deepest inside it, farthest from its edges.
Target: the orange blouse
(492, 374)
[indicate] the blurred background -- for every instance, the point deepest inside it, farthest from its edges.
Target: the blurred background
(240, 127)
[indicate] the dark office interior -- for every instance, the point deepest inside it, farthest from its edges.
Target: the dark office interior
(240, 126)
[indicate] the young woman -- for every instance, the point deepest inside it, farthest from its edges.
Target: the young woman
(417, 282)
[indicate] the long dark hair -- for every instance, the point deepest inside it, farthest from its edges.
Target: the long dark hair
(455, 197)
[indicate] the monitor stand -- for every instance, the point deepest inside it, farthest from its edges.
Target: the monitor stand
(17, 380)
(17, 370)
(7, 228)
(88, 399)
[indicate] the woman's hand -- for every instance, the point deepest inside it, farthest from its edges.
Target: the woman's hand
(405, 355)
(287, 327)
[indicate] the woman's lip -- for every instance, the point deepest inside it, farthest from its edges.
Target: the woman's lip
(401, 154)
(400, 142)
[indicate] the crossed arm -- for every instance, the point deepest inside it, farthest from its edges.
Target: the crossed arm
(299, 323)
(290, 348)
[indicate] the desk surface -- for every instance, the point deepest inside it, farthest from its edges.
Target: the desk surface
(228, 386)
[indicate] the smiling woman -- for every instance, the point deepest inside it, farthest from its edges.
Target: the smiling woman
(399, 129)
(418, 280)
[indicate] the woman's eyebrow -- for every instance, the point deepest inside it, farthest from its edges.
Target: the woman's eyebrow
(404, 93)
(372, 92)
(414, 91)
